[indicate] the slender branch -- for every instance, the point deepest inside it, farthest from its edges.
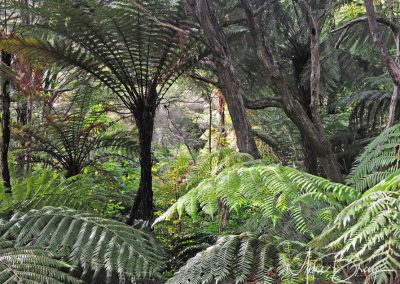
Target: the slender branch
(156, 20)
(364, 19)
(262, 103)
(58, 90)
(315, 77)
(342, 37)
(259, 10)
(205, 80)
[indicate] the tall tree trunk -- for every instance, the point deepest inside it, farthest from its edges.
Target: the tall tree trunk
(331, 104)
(5, 125)
(222, 123)
(311, 128)
(310, 157)
(217, 41)
(392, 66)
(142, 208)
(210, 118)
(224, 221)
(395, 95)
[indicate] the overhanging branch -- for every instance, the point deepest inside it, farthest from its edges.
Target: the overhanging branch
(262, 103)
(364, 19)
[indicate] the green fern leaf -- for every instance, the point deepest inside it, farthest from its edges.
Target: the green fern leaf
(32, 265)
(86, 239)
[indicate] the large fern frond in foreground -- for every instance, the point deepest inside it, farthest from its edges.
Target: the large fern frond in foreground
(278, 192)
(31, 265)
(368, 232)
(237, 257)
(247, 258)
(379, 160)
(87, 240)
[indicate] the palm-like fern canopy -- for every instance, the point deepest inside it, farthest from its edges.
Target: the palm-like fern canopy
(117, 43)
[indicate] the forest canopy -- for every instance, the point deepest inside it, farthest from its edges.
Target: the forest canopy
(200, 141)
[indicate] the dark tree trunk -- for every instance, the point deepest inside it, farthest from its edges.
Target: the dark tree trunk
(73, 170)
(310, 157)
(310, 128)
(331, 104)
(142, 208)
(5, 125)
(233, 94)
(391, 65)
(299, 62)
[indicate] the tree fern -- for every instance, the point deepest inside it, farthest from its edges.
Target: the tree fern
(368, 232)
(76, 135)
(32, 265)
(237, 257)
(86, 239)
(122, 46)
(278, 192)
(370, 111)
(379, 160)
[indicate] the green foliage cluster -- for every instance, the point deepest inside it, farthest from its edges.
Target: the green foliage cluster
(330, 228)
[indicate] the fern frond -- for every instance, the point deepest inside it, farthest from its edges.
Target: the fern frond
(49, 188)
(278, 192)
(86, 239)
(32, 265)
(368, 232)
(379, 160)
(236, 257)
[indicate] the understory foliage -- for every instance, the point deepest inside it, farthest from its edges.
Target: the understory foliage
(49, 188)
(368, 233)
(245, 255)
(279, 193)
(352, 228)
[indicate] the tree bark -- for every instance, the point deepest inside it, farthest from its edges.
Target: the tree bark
(308, 127)
(217, 41)
(395, 95)
(5, 125)
(310, 158)
(391, 64)
(221, 113)
(142, 208)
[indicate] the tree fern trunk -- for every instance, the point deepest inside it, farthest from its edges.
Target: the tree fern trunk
(142, 207)
(5, 125)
